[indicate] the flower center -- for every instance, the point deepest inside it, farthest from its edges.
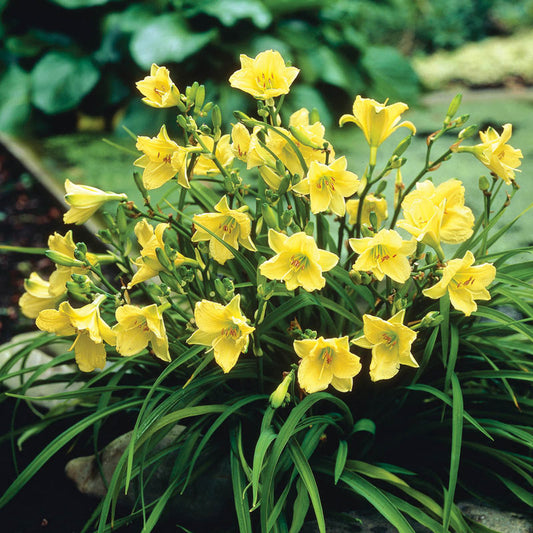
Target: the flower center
(381, 254)
(390, 338)
(266, 82)
(326, 182)
(327, 355)
(228, 225)
(469, 281)
(298, 262)
(232, 331)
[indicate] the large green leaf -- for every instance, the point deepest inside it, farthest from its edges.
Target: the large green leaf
(14, 99)
(60, 81)
(167, 38)
(391, 73)
(228, 12)
(76, 4)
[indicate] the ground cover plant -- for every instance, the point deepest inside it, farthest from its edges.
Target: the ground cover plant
(329, 350)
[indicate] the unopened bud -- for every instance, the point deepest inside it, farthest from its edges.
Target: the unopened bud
(468, 132)
(314, 116)
(301, 137)
(62, 259)
(182, 121)
(432, 319)
(309, 228)
(269, 216)
(244, 118)
(452, 109)
(461, 121)
(163, 259)
(402, 147)
(280, 396)
(199, 97)
(484, 183)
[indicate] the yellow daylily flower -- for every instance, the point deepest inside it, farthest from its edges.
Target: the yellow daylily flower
(314, 135)
(325, 362)
(299, 262)
(148, 264)
(371, 203)
(64, 245)
(494, 152)
(84, 201)
(434, 214)
(390, 342)
(378, 121)
(38, 296)
(464, 283)
(241, 141)
(231, 225)
(385, 254)
(265, 76)
(224, 328)
(328, 185)
(162, 160)
(158, 89)
(138, 326)
(92, 332)
(224, 154)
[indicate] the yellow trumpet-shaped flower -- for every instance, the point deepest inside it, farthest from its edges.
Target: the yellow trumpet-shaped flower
(224, 328)
(162, 160)
(325, 362)
(464, 283)
(230, 225)
(299, 262)
(494, 152)
(385, 254)
(223, 152)
(328, 185)
(148, 264)
(378, 121)
(158, 89)
(138, 326)
(371, 203)
(84, 201)
(265, 76)
(37, 296)
(434, 214)
(390, 342)
(92, 332)
(64, 245)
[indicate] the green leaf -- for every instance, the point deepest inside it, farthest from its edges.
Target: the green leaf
(340, 460)
(167, 39)
(60, 81)
(300, 507)
(238, 480)
(264, 441)
(15, 106)
(76, 4)
(391, 74)
(228, 12)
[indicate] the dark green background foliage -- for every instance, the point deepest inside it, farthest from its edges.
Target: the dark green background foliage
(58, 56)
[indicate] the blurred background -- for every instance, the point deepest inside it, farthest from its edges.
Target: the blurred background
(68, 70)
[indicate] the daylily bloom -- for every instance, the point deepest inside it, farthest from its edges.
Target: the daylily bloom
(494, 152)
(230, 225)
(325, 362)
(159, 90)
(464, 283)
(148, 264)
(224, 154)
(241, 141)
(299, 262)
(38, 296)
(84, 201)
(264, 77)
(92, 332)
(224, 328)
(434, 214)
(371, 203)
(63, 245)
(385, 254)
(138, 326)
(378, 121)
(328, 185)
(390, 342)
(162, 159)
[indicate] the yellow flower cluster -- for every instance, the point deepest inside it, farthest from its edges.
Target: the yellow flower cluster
(280, 246)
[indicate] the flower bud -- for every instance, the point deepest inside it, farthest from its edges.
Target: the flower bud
(280, 397)
(270, 216)
(461, 121)
(468, 132)
(484, 183)
(64, 260)
(314, 116)
(301, 137)
(163, 259)
(452, 109)
(244, 118)
(432, 319)
(199, 98)
(402, 147)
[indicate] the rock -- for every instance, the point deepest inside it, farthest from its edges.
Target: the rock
(204, 501)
